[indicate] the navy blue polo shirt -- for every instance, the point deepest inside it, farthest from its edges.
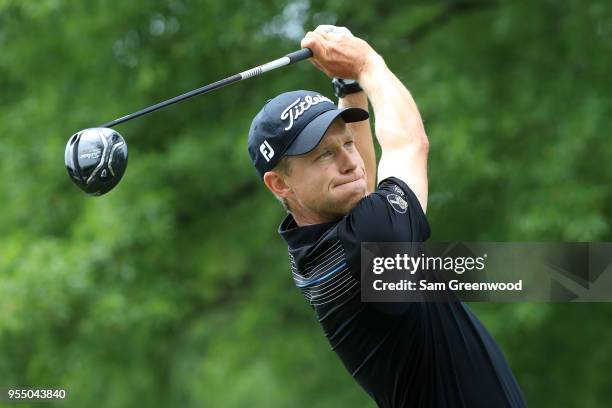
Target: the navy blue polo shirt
(409, 355)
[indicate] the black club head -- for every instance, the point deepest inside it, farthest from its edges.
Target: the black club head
(96, 159)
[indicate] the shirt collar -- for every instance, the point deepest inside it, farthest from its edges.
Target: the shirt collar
(297, 236)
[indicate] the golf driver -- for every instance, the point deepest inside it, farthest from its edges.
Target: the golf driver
(96, 158)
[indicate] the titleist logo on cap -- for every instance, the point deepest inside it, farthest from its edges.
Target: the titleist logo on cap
(297, 108)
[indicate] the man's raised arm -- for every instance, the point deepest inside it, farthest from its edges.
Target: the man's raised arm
(398, 125)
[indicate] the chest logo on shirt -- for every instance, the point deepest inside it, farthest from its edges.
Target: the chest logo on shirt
(398, 190)
(398, 203)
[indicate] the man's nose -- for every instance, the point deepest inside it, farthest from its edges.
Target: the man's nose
(348, 161)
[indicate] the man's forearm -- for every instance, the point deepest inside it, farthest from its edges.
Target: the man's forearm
(398, 122)
(363, 135)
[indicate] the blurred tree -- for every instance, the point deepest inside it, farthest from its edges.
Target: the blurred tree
(174, 290)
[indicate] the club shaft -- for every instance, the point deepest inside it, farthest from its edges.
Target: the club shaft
(288, 59)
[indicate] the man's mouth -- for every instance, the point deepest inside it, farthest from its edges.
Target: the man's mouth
(348, 181)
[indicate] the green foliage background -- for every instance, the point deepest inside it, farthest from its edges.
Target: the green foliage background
(174, 289)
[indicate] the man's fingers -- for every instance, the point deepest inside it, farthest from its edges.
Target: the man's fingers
(324, 28)
(314, 41)
(315, 35)
(326, 43)
(316, 64)
(309, 41)
(328, 31)
(326, 34)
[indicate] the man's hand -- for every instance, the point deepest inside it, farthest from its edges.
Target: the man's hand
(337, 52)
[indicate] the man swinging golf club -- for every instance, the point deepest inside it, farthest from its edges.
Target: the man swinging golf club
(318, 159)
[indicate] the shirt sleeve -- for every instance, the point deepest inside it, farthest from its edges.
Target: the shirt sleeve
(390, 214)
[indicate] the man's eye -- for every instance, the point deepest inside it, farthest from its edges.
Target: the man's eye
(324, 155)
(350, 143)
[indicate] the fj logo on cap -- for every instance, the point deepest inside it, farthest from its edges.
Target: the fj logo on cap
(266, 150)
(297, 108)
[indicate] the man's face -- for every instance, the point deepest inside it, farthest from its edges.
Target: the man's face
(329, 181)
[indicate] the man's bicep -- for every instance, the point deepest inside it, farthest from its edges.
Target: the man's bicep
(408, 164)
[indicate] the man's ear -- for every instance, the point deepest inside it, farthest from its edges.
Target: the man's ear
(276, 183)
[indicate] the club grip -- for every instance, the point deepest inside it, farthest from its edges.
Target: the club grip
(299, 55)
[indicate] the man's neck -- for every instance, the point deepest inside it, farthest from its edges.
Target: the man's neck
(303, 220)
(304, 216)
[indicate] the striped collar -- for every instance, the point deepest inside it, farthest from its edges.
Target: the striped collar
(297, 236)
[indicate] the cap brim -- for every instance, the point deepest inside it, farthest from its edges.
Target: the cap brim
(312, 134)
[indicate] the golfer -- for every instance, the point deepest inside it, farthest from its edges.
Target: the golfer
(318, 160)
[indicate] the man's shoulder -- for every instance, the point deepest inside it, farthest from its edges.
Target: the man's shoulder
(392, 213)
(392, 193)
(389, 214)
